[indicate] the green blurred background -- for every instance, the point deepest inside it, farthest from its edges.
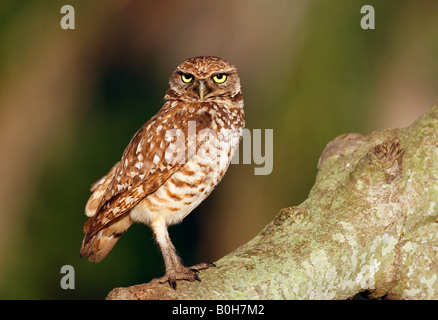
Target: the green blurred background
(70, 100)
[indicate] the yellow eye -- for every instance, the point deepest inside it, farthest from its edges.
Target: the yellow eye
(186, 78)
(220, 78)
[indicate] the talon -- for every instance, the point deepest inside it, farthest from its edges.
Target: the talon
(183, 273)
(202, 266)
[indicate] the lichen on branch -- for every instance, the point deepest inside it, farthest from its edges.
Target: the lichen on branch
(369, 224)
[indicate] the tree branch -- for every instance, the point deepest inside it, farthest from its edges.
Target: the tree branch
(369, 224)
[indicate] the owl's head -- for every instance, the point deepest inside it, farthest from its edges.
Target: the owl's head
(204, 78)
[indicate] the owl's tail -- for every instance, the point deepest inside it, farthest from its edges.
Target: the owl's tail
(100, 244)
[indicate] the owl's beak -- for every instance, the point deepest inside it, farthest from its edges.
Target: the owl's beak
(202, 90)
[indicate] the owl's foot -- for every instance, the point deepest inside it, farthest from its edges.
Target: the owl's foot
(183, 273)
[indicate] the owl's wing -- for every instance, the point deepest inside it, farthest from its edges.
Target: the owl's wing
(159, 149)
(99, 189)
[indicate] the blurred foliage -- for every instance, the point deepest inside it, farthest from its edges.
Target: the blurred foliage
(308, 71)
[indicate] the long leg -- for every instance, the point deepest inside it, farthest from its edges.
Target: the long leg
(174, 268)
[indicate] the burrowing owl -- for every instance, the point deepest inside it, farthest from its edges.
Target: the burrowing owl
(171, 164)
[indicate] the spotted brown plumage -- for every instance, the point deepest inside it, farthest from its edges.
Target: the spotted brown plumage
(171, 164)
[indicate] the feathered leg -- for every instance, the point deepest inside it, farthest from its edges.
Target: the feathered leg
(174, 268)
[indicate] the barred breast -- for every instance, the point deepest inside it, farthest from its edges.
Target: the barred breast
(194, 182)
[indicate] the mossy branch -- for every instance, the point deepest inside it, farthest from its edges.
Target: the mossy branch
(369, 224)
